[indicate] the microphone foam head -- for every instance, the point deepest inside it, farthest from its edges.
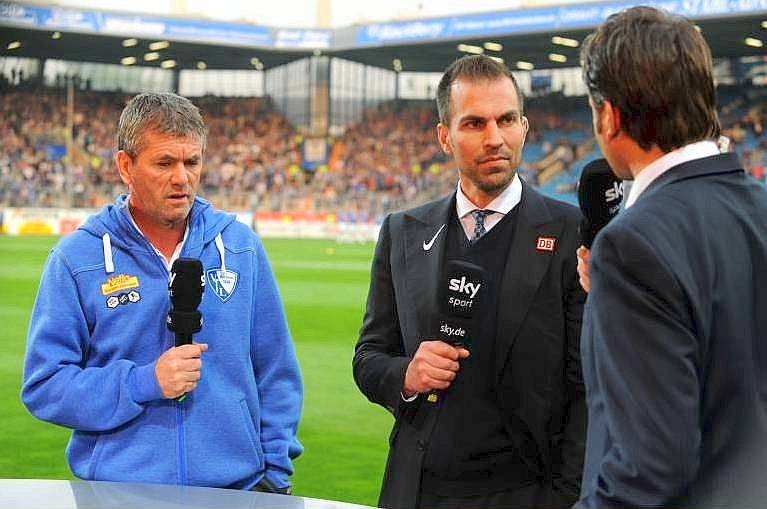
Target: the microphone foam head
(186, 284)
(600, 194)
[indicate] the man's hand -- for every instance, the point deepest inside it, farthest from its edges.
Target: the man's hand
(178, 369)
(583, 267)
(265, 486)
(433, 366)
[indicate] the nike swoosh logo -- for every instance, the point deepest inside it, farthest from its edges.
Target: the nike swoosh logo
(427, 245)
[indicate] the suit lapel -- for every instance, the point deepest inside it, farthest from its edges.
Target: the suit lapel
(525, 267)
(425, 243)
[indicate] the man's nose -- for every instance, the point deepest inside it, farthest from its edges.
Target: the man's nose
(493, 136)
(179, 175)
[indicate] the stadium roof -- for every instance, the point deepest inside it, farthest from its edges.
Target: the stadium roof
(109, 49)
(425, 45)
(725, 36)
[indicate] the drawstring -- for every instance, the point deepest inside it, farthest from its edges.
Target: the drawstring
(220, 246)
(109, 265)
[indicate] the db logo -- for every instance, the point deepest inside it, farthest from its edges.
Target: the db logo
(546, 244)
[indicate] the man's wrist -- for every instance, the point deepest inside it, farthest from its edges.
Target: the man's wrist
(408, 398)
(143, 384)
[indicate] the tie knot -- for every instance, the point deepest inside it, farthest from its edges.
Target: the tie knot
(479, 216)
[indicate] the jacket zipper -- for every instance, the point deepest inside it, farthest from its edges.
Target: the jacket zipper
(181, 443)
(182, 473)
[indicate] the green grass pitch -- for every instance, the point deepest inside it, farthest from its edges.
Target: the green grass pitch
(323, 286)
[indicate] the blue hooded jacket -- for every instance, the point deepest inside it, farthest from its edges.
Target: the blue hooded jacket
(99, 325)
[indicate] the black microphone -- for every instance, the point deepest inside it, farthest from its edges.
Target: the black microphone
(185, 287)
(461, 291)
(600, 194)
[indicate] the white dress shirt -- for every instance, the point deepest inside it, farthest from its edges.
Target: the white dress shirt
(501, 205)
(655, 169)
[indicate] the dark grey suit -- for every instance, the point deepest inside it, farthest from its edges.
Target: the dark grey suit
(536, 362)
(675, 345)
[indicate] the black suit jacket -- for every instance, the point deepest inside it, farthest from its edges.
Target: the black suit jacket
(675, 345)
(537, 357)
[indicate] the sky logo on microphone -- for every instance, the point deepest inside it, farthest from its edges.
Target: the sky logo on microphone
(614, 197)
(463, 286)
(615, 192)
(467, 291)
(461, 295)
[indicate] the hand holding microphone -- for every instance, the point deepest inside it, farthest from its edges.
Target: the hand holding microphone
(437, 361)
(178, 369)
(434, 366)
(583, 254)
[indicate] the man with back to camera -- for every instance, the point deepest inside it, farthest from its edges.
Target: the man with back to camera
(674, 350)
(506, 425)
(100, 359)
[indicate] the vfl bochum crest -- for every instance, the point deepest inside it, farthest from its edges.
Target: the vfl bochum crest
(222, 282)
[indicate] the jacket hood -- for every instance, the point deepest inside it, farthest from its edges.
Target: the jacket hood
(113, 224)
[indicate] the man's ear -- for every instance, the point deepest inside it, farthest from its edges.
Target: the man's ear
(525, 124)
(443, 136)
(610, 117)
(124, 164)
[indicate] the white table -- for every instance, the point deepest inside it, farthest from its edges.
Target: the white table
(54, 494)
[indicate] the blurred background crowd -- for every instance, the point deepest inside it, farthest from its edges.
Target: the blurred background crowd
(387, 160)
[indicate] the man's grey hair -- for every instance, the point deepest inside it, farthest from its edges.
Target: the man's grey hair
(159, 112)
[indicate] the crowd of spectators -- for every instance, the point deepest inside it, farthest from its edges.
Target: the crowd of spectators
(387, 160)
(253, 160)
(743, 115)
(251, 148)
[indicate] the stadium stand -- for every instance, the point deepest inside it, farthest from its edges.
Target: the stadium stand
(340, 86)
(385, 161)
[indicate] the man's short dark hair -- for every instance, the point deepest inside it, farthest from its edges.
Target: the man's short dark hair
(471, 68)
(160, 112)
(656, 69)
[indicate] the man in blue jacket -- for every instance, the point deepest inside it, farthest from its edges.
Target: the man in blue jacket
(101, 360)
(674, 337)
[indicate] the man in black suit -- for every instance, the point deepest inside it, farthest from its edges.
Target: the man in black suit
(675, 328)
(507, 429)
